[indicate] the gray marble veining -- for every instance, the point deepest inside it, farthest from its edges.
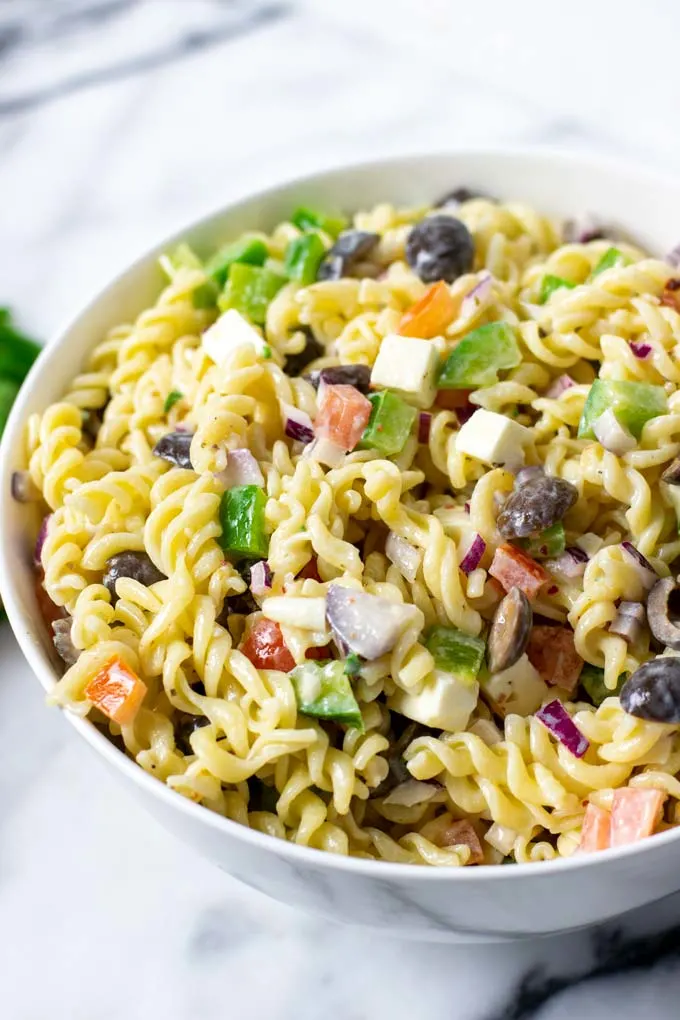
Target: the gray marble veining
(119, 120)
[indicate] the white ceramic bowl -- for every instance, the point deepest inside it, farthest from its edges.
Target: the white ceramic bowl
(441, 904)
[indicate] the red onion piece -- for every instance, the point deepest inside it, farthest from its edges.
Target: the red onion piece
(557, 388)
(404, 555)
(555, 718)
(242, 469)
(640, 350)
(466, 508)
(629, 621)
(40, 540)
(325, 451)
(368, 625)
(611, 434)
(23, 488)
(464, 414)
(648, 574)
(571, 564)
(297, 424)
(260, 577)
(480, 293)
(424, 426)
(673, 256)
(474, 554)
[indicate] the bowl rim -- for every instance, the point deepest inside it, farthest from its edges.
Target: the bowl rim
(635, 172)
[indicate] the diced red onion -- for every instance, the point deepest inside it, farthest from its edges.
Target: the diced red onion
(325, 452)
(464, 414)
(629, 621)
(242, 469)
(466, 508)
(40, 540)
(474, 554)
(557, 388)
(640, 350)
(424, 426)
(571, 564)
(260, 577)
(555, 717)
(646, 571)
(611, 434)
(411, 792)
(404, 555)
(673, 256)
(369, 625)
(480, 293)
(297, 424)
(23, 488)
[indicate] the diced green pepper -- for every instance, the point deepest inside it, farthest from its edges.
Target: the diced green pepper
(303, 257)
(171, 399)
(612, 257)
(455, 652)
(249, 250)
(323, 690)
(243, 523)
(390, 424)
(550, 284)
(550, 542)
(592, 682)
(479, 356)
(352, 664)
(250, 290)
(311, 219)
(17, 352)
(184, 257)
(8, 394)
(633, 404)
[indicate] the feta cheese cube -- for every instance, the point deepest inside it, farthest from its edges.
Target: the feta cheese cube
(445, 701)
(518, 690)
(230, 331)
(408, 366)
(493, 439)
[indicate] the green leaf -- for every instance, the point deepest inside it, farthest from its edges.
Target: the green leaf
(633, 404)
(171, 399)
(478, 358)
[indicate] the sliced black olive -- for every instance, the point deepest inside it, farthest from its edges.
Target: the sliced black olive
(398, 773)
(244, 604)
(535, 506)
(297, 363)
(653, 691)
(358, 376)
(186, 725)
(175, 448)
(440, 248)
(672, 473)
(460, 195)
(137, 565)
(510, 631)
(659, 609)
(261, 796)
(61, 638)
(350, 248)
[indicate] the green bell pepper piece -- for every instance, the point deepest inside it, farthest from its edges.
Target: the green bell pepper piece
(550, 542)
(311, 219)
(456, 652)
(592, 682)
(612, 257)
(250, 250)
(8, 394)
(390, 424)
(550, 284)
(184, 257)
(353, 664)
(479, 356)
(243, 523)
(303, 257)
(171, 399)
(250, 290)
(633, 404)
(323, 690)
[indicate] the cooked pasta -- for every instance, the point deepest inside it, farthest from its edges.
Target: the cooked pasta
(363, 536)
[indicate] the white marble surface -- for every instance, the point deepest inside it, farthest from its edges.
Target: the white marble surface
(119, 120)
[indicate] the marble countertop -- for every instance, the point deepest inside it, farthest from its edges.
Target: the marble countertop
(119, 121)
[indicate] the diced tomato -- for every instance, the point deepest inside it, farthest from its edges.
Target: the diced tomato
(265, 647)
(462, 832)
(116, 691)
(310, 570)
(551, 650)
(513, 568)
(595, 834)
(635, 813)
(343, 415)
(454, 400)
(430, 315)
(319, 653)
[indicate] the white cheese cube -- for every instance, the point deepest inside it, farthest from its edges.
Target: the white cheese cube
(409, 366)
(493, 439)
(518, 690)
(296, 611)
(445, 701)
(230, 331)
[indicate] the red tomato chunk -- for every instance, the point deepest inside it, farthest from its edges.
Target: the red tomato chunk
(595, 834)
(265, 647)
(514, 568)
(635, 814)
(116, 691)
(343, 415)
